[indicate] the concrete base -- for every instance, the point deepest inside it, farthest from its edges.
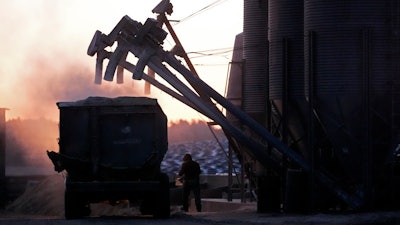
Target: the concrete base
(221, 205)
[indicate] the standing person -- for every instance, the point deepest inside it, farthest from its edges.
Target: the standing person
(190, 172)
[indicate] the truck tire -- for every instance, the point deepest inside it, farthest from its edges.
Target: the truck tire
(163, 209)
(74, 206)
(147, 207)
(158, 204)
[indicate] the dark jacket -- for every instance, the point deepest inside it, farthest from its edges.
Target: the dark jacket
(190, 170)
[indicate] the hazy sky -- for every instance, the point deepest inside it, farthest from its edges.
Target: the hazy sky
(44, 45)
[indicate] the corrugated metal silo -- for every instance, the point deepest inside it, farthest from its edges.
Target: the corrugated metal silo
(255, 54)
(286, 42)
(286, 90)
(234, 92)
(349, 69)
(286, 67)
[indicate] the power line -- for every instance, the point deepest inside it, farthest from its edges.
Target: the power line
(210, 53)
(213, 52)
(210, 64)
(210, 6)
(227, 49)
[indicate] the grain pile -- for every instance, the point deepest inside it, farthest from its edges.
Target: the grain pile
(44, 198)
(47, 199)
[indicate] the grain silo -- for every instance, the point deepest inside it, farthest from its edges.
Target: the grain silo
(328, 86)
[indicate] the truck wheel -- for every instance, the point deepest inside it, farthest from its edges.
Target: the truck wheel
(163, 201)
(74, 206)
(147, 206)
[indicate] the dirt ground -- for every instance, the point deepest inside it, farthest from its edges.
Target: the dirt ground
(46, 199)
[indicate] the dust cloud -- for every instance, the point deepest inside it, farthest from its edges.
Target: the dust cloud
(48, 84)
(44, 58)
(44, 84)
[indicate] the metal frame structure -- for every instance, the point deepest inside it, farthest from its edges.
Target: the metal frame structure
(145, 42)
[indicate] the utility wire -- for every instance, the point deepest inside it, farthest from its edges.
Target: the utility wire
(210, 6)
(200, 55)
(213, 52)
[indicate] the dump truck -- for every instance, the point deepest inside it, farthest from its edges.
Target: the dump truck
(111, 150)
